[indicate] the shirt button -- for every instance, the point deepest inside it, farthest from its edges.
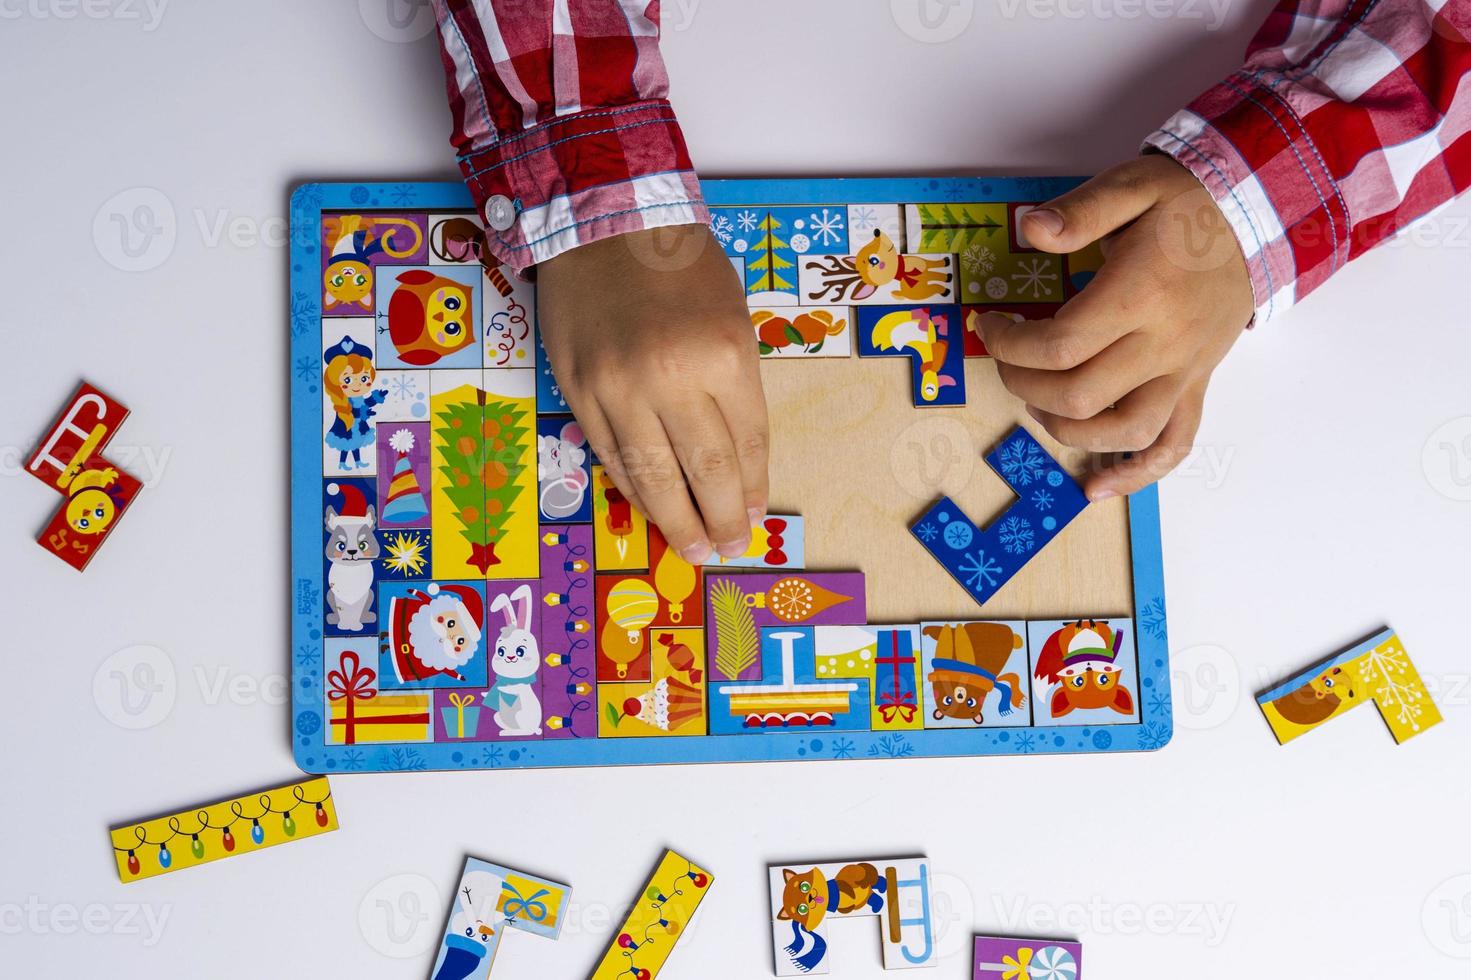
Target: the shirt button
(500, 213)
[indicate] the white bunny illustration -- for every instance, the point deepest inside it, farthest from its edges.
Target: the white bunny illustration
(515, 662)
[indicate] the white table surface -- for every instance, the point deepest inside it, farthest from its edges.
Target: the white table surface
(1328, 498)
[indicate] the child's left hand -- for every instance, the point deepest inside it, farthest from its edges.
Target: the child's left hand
(1124, 365)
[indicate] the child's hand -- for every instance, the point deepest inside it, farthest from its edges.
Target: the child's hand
(653, 347)
(1123, 367)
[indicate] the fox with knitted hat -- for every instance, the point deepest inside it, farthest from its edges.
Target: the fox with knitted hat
(1081, 659)
(433, 633)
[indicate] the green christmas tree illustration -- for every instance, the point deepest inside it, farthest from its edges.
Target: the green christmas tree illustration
(767, 262)
(482, 447)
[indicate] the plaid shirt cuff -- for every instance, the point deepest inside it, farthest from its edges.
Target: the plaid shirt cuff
(583, 177)
(1235, 139)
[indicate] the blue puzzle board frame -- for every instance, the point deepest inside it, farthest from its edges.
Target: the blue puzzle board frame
(1153, 730)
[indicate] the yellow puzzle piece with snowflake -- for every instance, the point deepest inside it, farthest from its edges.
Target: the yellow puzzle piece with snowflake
(1377, 670)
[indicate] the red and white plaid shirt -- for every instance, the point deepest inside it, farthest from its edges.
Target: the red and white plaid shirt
(1349, 121)
(561, 122)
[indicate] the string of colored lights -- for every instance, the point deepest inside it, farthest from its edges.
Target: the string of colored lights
(657, 900)
(227, 839)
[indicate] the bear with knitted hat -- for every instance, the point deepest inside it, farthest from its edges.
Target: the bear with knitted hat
(435, 632)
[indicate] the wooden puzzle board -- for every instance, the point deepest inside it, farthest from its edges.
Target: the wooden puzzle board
(852, 454)
(862, 448)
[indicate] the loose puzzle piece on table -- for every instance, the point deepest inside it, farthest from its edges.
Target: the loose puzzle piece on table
(228, 828)
(490, 900)
(1001, 958)
(930, 336)
(982, 561)
(660, 915)
(1377, 670)
(805, 898)
(455, 487)
(70, 461)
(777, 542)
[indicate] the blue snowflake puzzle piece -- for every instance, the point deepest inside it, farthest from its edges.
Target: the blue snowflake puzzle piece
(985, 560)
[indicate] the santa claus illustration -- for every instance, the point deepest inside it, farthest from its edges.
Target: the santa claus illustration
(434, 632)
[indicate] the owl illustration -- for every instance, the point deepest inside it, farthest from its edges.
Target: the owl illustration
(429, 317)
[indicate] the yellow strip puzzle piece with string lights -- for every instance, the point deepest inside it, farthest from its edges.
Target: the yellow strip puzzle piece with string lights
(229, 828)
(656, 921)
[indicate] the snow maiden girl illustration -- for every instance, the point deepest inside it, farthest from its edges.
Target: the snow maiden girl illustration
(348, 382)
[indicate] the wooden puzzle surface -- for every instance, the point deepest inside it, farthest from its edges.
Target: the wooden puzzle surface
(852, 454)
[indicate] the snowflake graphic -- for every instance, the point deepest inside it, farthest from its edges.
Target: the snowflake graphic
(978, 260)
(925, 532)
(721, 228)
(302, 313)
(748, 220)
(490, 757)
(955, 191)
(1159, 702)
(401, 760)
(1025, 743)
(1152, 618)
(1041, 499)
(1153, 736)
(308, 197)
(306, 368)
(958, 535)
(352, 759)
(891, 747)
(980, 572)
(1033, 275)
(827, 228)
(1022, 462)
(403, 385)
(863, 219)
(1017, 536)
(401, 195)
(306, 655)
(842, 748)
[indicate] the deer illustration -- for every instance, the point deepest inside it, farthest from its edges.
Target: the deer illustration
(850, 278)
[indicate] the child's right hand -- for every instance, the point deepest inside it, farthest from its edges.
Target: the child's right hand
(652, 345)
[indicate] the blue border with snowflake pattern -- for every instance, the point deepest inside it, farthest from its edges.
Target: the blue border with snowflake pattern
(307, 700)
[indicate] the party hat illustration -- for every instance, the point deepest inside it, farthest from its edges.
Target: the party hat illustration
(405, 502)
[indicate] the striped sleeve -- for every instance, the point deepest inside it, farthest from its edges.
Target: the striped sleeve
(1350, 120)
(562, 124)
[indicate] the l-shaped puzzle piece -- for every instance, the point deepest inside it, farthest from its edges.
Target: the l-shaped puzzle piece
(1377, 670)
(488, 901)
(982, 561)
(70, 461)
